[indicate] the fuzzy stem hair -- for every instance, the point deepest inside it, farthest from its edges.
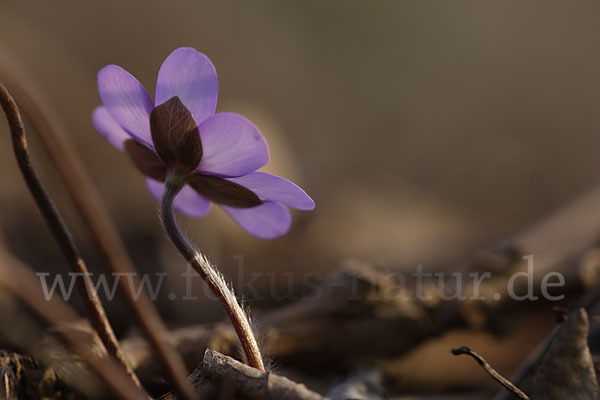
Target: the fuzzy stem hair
(210, 275)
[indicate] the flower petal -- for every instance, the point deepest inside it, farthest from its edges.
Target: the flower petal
(106, 125)
(127, 101)
(267, 221)
(187, 202)
(189, 75)
(272, 187)
(232, 146)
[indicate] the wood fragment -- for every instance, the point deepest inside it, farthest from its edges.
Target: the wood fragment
(253, 383)
(23, 377)
(222, 377)
(567, 370)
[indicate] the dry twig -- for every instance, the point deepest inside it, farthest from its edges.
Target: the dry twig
(104, 233)
(491, 371)
(22, 284)
(60, 232)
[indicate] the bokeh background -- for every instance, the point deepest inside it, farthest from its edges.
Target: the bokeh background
(423, 130)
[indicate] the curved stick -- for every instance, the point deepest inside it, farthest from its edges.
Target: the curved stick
(211, 276)
(491, 371)
(20, 282)
(95, 216)
(60, 232)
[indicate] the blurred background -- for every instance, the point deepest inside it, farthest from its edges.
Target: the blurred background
(423, 130)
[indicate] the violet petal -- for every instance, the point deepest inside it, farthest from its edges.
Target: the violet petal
(266, 221)
(191, 76)
(273, 187)
(127, 101)
(106, 126)
(232, 146)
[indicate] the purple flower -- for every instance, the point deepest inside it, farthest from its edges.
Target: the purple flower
(216, 155)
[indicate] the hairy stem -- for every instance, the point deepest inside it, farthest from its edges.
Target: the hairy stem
(61, 232)
(211, 276)
(95, 216)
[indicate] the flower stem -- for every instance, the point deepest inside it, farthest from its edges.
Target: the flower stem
(60, 232)
(211, 276)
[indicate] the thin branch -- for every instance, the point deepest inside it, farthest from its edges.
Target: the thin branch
(60, 232)
(22, 284)
(88, 204)
(491, 371)
(211, 276)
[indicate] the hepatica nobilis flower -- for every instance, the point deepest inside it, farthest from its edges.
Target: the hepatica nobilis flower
(179, 137)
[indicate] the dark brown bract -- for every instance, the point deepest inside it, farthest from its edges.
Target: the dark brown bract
(175, 136)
